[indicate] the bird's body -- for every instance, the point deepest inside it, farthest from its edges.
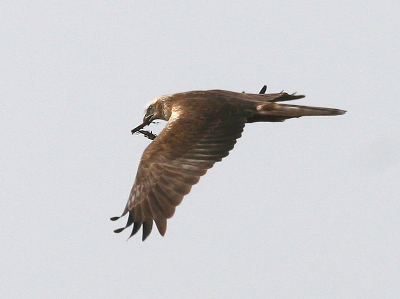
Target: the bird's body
(202, 128)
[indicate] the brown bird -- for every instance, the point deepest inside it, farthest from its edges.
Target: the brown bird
(202, 128)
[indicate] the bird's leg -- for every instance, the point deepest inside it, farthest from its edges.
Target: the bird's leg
(148, 134)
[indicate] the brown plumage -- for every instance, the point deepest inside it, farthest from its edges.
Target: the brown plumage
(202, 128)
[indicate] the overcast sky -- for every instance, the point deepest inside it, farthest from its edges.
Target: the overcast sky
(308, 208)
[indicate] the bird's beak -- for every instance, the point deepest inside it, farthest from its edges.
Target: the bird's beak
(146, 121)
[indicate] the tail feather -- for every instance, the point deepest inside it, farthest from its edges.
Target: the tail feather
(279, 112)
(296, 110)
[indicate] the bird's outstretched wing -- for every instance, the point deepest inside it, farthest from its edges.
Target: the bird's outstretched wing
(191, 143)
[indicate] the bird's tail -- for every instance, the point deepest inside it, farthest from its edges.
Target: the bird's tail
(270, 111)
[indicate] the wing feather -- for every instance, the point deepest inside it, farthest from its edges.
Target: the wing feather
(187, 147)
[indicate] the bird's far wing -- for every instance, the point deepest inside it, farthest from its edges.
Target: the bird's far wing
(278, 97)
(188, 146)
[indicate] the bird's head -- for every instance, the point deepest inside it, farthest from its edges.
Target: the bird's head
(159, 108)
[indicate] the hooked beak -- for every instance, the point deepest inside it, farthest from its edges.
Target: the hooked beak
(146, 122)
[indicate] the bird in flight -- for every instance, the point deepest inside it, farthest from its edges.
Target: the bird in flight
(202, 128)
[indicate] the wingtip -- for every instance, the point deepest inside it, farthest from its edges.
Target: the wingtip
(117, 231)
(297, 96)
(161, 224)
(263, 89)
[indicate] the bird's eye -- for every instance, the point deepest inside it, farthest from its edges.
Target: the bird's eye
(150, 110)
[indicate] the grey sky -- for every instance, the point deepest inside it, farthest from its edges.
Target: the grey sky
(308, 208)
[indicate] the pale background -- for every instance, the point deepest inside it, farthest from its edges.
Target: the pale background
(308, 208)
